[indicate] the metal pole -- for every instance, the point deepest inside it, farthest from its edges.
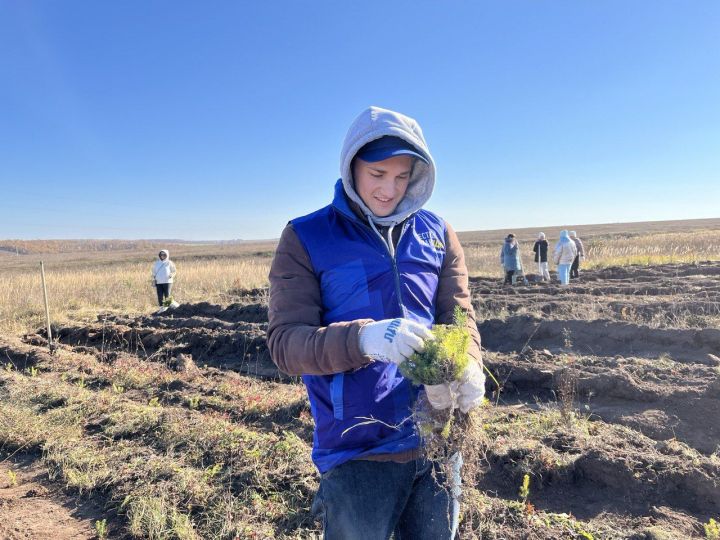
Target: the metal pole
(47, 307)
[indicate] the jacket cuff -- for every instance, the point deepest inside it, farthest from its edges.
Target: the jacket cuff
(355, 355)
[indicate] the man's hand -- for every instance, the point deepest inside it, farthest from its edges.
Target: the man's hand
(466, 393)
(442, 396)
(393, 340)
(471, 389)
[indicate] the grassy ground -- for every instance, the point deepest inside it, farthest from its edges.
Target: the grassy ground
(207, 453)
(603, 250)
(212, 454)
(80, 285)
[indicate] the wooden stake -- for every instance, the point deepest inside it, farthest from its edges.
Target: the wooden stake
(47, 307)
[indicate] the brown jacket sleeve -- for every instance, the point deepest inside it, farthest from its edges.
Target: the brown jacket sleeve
(454, 290)
(299, 344)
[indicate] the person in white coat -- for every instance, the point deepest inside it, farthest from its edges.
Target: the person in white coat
(564, 255)
(163, 274)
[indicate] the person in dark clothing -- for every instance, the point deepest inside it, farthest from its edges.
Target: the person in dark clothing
(575, 268)
(540, 249)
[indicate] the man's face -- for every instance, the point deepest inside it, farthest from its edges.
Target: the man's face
(382, 184)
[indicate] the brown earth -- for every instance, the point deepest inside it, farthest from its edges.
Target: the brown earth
(33, 506)
(629, 357)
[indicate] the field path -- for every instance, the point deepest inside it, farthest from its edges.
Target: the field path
(33, 507)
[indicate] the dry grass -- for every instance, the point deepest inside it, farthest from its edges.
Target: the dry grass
(483, 258)
(82, 285)
(81, 293)
(178, 471)
(659, 248)
(175, 471)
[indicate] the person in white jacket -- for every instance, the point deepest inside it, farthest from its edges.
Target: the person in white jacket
(564, 255)
(163, 274)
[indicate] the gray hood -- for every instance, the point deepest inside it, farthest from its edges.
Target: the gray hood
(372, 124)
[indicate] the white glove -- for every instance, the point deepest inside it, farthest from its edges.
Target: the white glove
(442, 396)
(471, 389)
(393, 340)
(465, 393)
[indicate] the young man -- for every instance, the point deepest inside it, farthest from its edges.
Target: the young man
(354, 289)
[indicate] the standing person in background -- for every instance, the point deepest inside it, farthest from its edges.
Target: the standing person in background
(564, 255)
(510, 259)
(163, 274)
(575, 269)
(540, 249)
(354, 290)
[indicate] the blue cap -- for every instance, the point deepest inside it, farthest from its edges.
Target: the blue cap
(387, 147)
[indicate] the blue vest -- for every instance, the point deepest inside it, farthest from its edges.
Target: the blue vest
(367, 411)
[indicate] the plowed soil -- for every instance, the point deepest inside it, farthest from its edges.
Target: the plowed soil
(609, 396)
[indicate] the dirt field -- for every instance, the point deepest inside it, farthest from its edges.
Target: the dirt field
(609, 401)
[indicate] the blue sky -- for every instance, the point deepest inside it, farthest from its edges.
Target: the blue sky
(220, 120)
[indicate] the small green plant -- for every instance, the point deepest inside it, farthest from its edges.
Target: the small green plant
(712, 530)
(101, 528)
(194, 402)
(154, 402)
(524, 491)
(13, 478)
(80, 383)
(443, 359)
(169, 300)
(32, 371)
(9, 366)
(212, 471)
(117, 389)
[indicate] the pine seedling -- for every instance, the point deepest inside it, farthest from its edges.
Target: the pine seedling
(712, 530)
(524, 491)
(101, 528)
(443, 359)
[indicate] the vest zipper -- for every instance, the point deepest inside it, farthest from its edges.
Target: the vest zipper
(392, 252)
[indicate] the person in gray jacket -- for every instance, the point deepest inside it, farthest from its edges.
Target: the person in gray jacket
(510, 259)
(575, 268)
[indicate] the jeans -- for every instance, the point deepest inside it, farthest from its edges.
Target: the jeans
(370, 500)
(509, 277)
(575, 268)
(564, 273)
(163, 291)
